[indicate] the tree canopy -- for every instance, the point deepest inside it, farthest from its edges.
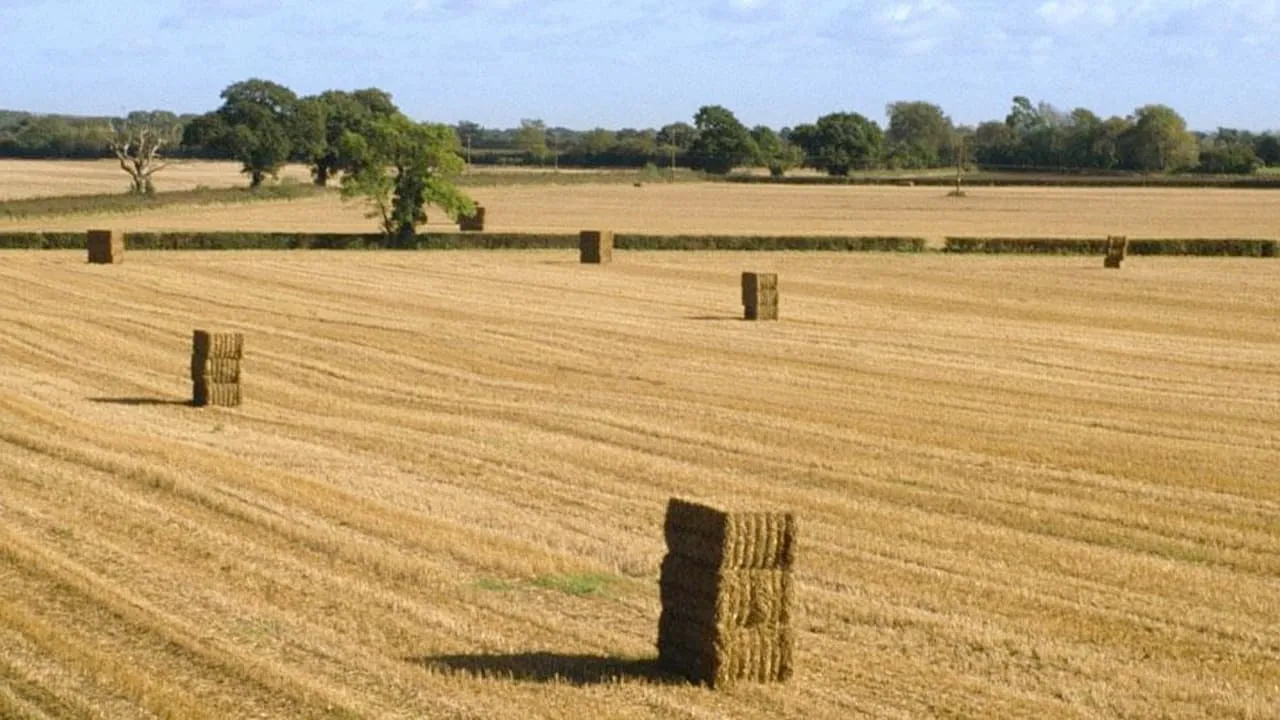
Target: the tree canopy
(400, 167)
(720, 141)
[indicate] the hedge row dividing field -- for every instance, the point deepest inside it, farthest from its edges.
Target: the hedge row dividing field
(461, 241)
(1235, 247)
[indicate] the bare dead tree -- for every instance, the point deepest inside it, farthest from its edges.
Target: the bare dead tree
(137, 145)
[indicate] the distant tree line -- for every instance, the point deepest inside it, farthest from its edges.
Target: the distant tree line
(265, 125)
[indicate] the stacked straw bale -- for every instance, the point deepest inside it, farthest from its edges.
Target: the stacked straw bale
(727, 595)
(595, 246)
(1117, 246)
(215, 368)
(106, 247)
(760, 295)
(472, 223)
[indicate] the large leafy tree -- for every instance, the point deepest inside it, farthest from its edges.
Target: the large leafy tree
(918, 135)
(400, 167)
(842, 142)
(532, 138)
(257, 124)
(1159, 140)
(721, 142)
(325, 119)
(774, 152)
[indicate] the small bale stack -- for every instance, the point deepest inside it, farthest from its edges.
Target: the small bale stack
(106, 247)
(760, 295)
(215, 368)
(1117, 246)
(595, 246)
(473, 222)
(727, 595)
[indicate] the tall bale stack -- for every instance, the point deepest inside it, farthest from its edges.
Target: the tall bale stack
(106, 247)
(595, 246)
(1117, 246)
(760, 295)
(473, 222)
(727, 595)
(215, 368)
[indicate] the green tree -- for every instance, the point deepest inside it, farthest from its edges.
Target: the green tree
(842, 142)
(1228, 151)
(598, 142)
(774, 152)
(256, 124)
(918, 135)
(1267, 148)
(1159, 140)
(325, 119)
(721, 142)
(400, 167)
(532, 138)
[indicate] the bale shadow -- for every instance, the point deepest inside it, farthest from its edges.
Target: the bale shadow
(547, 667)
(140, 401)
(716, 318)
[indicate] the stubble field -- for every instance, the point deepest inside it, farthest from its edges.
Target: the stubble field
(705, 208)
(1028, 487)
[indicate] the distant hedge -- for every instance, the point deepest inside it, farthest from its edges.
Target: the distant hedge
(1235, 247)
(462, 241)
(1013, 179)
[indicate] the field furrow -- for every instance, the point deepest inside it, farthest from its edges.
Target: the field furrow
(1026, 488)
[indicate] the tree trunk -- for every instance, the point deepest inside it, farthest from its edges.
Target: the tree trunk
(321, 175)
(405, 236)
(255, 179)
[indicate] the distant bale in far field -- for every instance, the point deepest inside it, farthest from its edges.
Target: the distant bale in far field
(595, 246)
(1117, 247)
(473, 222)
(106, 247)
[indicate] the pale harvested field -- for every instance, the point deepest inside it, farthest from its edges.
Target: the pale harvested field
(40, 178)
(1028, 488)
(701, 208)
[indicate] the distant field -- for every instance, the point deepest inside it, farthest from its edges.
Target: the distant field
(693, 208)
(38, 178)
(740, 209)
(1028, 487)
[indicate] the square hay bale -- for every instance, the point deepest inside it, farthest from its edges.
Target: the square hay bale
(760, 296)
(720, 657)
(1117, 247)
(205, 344)
(738, 540)
(206, 393)
(595, 246)
(720, 597)
(473, 222)
(753, 283)
(106, 247)
(215, 369)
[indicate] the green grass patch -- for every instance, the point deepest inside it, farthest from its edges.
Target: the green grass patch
(496, 585)
(575, 584)
(125, 202)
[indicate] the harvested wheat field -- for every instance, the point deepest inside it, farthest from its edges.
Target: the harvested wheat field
(720, 208)
(42, 178)
(1026, 487)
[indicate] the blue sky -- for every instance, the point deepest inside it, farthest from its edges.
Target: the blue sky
(644, 63)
